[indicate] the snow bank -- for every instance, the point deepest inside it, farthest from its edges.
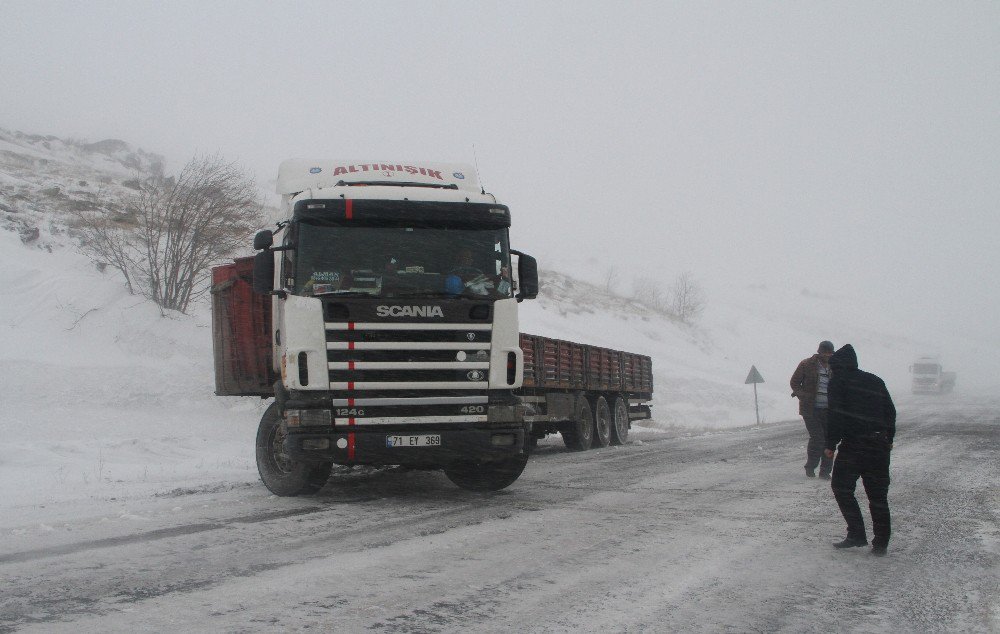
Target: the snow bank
(102, 394)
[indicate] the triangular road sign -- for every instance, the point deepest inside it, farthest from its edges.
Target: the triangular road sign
(754, 376)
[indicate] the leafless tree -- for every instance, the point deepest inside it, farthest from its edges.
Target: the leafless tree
(167, 233)
(684, 301)
(649, 293)
(687, 300)
(610, 279)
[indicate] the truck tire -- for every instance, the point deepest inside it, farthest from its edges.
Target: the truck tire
(487, 476)
(280, 474)
(602, 422)
(619, 422)
(578, 434)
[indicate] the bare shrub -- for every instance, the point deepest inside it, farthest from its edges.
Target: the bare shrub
(684, 301)
(687, 300)
(610, 279)
(172, 229)
(649, 293)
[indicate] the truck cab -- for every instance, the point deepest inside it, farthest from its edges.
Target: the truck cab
(929, 376)
(394, 325)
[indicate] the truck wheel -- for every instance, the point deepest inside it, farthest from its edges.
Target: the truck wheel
(619, 427)
(279, 472)
(602, 423)
(487, 476)
(579, 433)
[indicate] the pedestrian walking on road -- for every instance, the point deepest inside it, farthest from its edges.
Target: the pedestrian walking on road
(863, 422)
(809, 384)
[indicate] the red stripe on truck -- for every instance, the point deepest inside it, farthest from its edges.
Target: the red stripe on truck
(351, 444)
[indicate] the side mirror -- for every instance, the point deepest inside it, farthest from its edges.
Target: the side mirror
(263, 270)
(263, 240)
(527, 276)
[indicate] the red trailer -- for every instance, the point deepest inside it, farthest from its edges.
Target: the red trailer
(241, 333)
(588, 394)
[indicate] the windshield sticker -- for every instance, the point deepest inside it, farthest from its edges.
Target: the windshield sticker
(323, 282)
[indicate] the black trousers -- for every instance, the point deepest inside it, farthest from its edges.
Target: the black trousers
(816, 426)
(867, 459)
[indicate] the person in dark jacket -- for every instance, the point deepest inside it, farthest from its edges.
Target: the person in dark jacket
(809, 384)
(862, 421)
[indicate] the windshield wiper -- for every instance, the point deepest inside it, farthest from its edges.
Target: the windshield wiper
(427, 294)
(345, 294)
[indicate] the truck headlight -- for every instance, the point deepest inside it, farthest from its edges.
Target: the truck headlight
(308, 417)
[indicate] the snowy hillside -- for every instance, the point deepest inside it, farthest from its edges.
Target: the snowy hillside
(44, 180)
(104, 396)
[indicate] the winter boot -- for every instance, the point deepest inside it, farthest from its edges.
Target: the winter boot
(851, 542)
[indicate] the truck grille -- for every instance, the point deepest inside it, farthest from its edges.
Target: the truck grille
(389, 373)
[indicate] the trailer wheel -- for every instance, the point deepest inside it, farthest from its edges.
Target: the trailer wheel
(619, 428)
(279, 472)
(578, 434)
(487, 476)
(602, 423)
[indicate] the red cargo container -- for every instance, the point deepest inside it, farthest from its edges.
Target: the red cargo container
(241, 332)
(554, 364)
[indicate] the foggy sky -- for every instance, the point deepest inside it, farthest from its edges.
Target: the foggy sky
(846, 148)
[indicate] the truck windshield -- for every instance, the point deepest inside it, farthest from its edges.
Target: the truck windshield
(925, 368)
(402, 262)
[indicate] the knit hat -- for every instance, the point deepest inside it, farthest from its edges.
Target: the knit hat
(825, 346)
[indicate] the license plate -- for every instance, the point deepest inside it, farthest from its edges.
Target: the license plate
(417, 440)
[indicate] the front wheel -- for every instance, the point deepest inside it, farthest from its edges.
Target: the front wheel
(487, 476)
(280, 473)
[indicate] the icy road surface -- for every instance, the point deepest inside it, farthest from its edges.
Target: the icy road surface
(717, 532)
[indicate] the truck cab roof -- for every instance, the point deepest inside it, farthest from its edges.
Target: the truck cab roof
(325, 178)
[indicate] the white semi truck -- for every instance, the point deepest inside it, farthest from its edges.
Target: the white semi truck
(382, 317)
(929, 376)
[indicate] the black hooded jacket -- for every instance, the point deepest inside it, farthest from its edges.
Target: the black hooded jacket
(860, 404)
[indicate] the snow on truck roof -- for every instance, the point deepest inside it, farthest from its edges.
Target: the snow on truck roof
(297, 175)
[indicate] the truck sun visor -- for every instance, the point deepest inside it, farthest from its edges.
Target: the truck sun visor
(392, 213)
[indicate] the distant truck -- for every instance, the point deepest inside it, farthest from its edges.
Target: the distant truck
(930, 378)
(385, 326)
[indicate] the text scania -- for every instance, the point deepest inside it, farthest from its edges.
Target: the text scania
(409, 311)
(382, 167)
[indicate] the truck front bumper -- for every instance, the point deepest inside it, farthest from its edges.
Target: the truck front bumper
(352, 445)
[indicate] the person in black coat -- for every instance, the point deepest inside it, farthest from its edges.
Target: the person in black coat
(862, 421)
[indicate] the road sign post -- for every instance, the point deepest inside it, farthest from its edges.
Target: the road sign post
(755, 378)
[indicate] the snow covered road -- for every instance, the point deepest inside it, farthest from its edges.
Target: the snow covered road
(714, 532)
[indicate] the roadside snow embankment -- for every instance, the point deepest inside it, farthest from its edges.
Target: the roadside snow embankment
(103, 396)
